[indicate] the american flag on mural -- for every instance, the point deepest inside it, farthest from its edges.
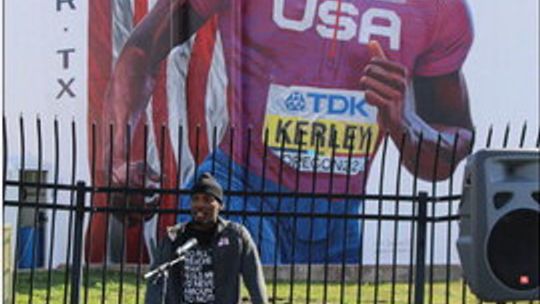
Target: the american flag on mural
(187, 98)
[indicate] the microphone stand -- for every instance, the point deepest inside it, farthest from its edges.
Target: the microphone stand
(162, 271)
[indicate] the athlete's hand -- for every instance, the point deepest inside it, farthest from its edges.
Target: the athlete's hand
(138, 179)
(385, 86)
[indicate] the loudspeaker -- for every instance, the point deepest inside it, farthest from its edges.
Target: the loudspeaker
(499, 223)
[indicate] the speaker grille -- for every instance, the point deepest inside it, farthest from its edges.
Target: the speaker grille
(513, 249)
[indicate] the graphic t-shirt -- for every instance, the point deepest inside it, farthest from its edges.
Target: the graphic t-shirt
(198, 275)
(294, 66)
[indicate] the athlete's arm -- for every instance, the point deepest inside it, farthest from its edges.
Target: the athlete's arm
(441, 110)
(443, 103)
(170, 23)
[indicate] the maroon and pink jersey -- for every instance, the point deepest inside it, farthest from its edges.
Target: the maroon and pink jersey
(293, 68)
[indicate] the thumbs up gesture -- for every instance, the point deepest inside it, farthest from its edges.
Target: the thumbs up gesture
(385, 85)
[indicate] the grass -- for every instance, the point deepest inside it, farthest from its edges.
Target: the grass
(132, 294)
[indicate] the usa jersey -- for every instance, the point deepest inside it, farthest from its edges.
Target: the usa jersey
(293, 69)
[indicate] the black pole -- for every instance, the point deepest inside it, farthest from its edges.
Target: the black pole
(421, 248)
(77, 244)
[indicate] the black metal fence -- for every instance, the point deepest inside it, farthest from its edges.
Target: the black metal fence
(407, 226)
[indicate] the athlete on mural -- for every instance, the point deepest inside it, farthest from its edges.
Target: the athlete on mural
(330, 76)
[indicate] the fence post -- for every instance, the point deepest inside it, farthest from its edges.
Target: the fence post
(77, 244)
(419, 280)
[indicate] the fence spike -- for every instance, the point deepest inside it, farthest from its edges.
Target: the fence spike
(54, 211)
(473, 140)
(379, 213)
(538, 138)
(523, 134)
(230, 166)
(5, 153)
(490, 134)
(36, 208)
(506, 135)
(214, 149)
(22, 164)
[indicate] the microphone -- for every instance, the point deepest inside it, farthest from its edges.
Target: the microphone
(163, 268)
(186, 246)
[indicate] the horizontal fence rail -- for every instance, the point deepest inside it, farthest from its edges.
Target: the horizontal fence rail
(78, 210)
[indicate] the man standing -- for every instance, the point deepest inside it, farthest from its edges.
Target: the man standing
(312, 86)
(210, 272)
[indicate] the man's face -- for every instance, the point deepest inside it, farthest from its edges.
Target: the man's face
(204, 209)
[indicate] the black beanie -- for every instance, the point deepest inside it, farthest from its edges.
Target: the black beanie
(207, 184)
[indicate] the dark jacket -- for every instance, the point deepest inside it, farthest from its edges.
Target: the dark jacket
(237, 256)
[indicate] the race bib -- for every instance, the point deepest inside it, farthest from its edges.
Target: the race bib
(307, 125)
